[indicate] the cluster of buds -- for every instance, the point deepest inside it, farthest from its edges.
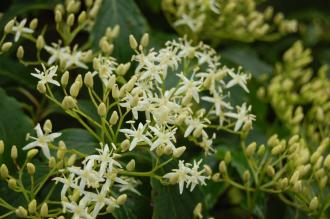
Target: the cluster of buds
(288, 168)
(217, 20)
(299, 97)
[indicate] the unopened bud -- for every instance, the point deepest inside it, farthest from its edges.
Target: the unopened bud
(179, 151)
(327, 161)
(294, 177)
(314, 204)
(145, 40)
(21, 212)
(114, 118)
(31, 153)
(131, 165)
(160, 151)
(216, 177)
(12, 183)
(72, 159)
(52, 162)
(41, 87)
(168, 150)
(13, 152)
(270, 171)
(31, 169)
(227, 157)
(121, 199)
(246, 176)
(115, 91)
(9, 26)
(297, 186)
(251, 148)
(65, 79)
(132, 42)
(261, 150)
(278, 149)
(44, 210)
(48, 127)
(70, 20)
(102, 109)
(2, 147)
(198, 211)
(58, 16)
(33, 24)
(32, 207)
(82, 17)
(88, 80)
(6, 46)
(4, 173)
(20, 52)
(74, 89)
(125, 145)
(207, 170)
(68, 102)
(273, 140)
(293, 139)
(40, 43)
(223, 167)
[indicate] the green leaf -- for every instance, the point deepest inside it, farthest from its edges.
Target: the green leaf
(16, 71)
(79, 139)
(128, 16)
(169, 203)
(248, 59)
(14, 125)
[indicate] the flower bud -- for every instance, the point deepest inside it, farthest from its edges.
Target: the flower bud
(216, 177)
(88, 80)
(125, 145)
(121, 199)
(115, 31)
(74, 89)
(12, 183)
(246, 176)
(40, 43)
(227, 157)
(261, 150)
(131, 165)
(2, 147)
(198, 211)
(293, 139)
(6, 46)
(314, 204)
(160, 151)
(41, 87)
(58, 16)
(273, 140)
(31, 169)
(70, 20)
(20, 52)
(44, 210)
(31, 153)
(33, 24)
(65, 79)
(82, 17)
(207, 169)
(123, 68)
(326, 162)
(102, 110)
(145, 40)
(68, 102)
(13, 152)
(277, 149)
(168, 150)
(111, 81)
(21, 212)
(9, 26)
(132, 42)
(179, 151)
(283, 183)
(114, 118)
(294, 177)
(270, 171)
(52, 162)
(72, 159)
(323, 182)
(250, 149)
(222, 167)
(32, 207)
(4, 173)
(115, 91)
(48, 127)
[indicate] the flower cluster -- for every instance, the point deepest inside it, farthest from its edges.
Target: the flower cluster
(89, 189)
(219, 20)
(288, 168)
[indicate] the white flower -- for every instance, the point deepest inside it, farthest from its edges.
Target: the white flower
(187, 20)
(87, 176)
(20, 29)
(79, 211)
(42, 140)
(196, 176)
(239, 79)
(193, 125)
(138, 135)
(105, 160)
(180, 174)
(130, 185)
(242, 116)
(164, 137)
(219, 103)
(189, 87)
(74, 59)
(70, 182)
(57, 53)
(46, 75)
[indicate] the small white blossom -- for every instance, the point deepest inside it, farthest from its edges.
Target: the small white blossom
(164, 136)
(242, 116)
(46, 75)
(42, 140)
(20, 29)
(139, 135)
(239, 78)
